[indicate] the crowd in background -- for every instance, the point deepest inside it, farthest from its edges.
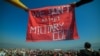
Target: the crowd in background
(87, 51)
(38, 52)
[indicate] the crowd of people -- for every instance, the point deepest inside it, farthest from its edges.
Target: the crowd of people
(57, 52)
(37, 52)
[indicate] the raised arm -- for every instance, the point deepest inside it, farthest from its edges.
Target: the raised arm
(82, 2)
(18, 3)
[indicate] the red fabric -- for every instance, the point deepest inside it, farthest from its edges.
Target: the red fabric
(52, 24)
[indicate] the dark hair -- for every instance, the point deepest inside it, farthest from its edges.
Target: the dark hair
(87, 45)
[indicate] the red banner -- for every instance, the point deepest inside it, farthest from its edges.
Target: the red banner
(52, 24)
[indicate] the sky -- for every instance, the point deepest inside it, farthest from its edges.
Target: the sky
(13, 25)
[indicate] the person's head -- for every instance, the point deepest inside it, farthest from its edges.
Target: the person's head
(87, 45)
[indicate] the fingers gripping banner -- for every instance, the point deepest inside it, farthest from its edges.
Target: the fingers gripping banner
(52, 24)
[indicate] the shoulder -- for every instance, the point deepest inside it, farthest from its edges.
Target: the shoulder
(83, 50)
(95, 53)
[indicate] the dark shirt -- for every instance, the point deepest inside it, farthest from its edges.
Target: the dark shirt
(85, 52)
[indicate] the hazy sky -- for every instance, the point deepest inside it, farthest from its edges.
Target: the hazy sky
(13, 24)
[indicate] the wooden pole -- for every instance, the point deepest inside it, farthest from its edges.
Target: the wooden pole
(18, 3)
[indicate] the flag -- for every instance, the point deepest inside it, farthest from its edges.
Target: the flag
(52, 23)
